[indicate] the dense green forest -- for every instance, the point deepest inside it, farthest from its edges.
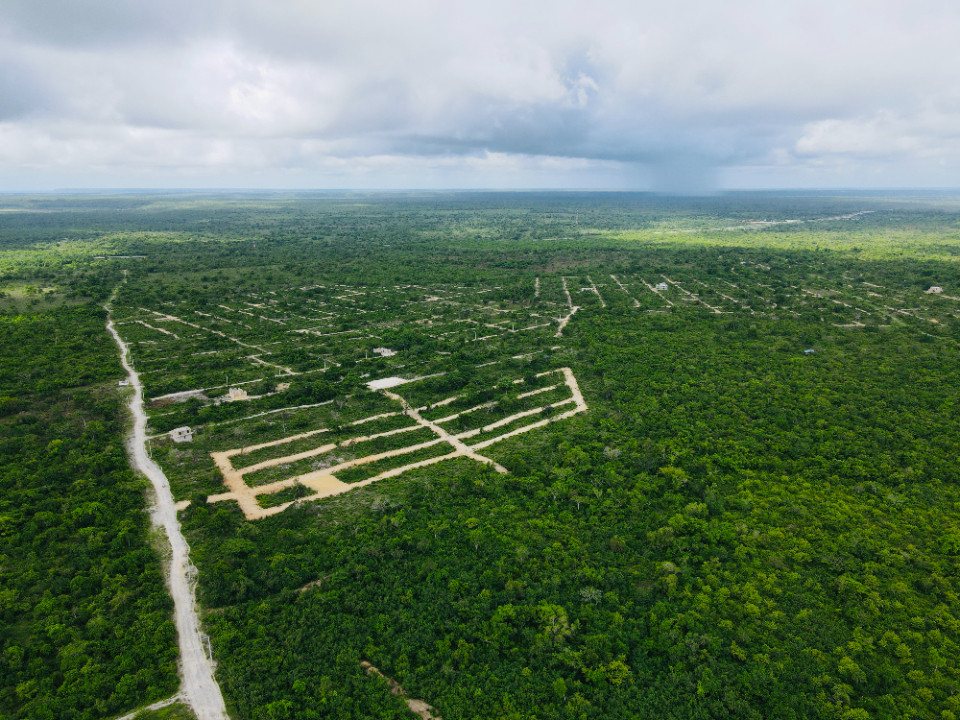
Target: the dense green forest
(753, 513)
(87, 627)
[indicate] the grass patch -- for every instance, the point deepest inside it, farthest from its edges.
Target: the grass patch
(549, 413)
(294, 492)
(362, 472)
(176, 711)
(339, 454)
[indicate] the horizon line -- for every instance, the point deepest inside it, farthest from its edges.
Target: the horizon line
(453, 190)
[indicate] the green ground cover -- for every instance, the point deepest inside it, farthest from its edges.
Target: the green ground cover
(734, 528)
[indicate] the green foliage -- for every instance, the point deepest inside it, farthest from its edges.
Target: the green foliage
(734, 529)
(88, 627)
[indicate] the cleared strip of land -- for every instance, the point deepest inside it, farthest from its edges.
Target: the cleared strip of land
(323, 481)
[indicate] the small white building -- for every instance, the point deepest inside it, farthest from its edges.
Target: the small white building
(234, 394)
(934, 290)
(181, 434)
(662, 286)
(384, 352)
(124, 383)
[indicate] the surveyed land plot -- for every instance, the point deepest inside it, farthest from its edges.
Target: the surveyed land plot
(363, 458)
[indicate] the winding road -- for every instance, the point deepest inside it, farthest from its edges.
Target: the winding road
(198, 687)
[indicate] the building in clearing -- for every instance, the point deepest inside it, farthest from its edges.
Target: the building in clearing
(662, 286)
(934, 290)
(236, 394)
(384, 352)
(181, 434)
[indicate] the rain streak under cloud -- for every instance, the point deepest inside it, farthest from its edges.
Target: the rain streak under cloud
(684, 96)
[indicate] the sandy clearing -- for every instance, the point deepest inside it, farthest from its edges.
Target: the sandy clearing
(198, 685)
(388, 382)
(324, 483)
(314, 583)
(313, 452)
(419, 707)
(412, 466)
(566, 291)
(443, 434)
(564, 320)
(536, 287)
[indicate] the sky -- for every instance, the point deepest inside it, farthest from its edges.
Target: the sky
(685, 96)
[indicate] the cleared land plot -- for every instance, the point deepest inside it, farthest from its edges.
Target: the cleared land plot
(335, 454)
(333, 468)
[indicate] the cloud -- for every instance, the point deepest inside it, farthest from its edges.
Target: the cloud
(615, 92)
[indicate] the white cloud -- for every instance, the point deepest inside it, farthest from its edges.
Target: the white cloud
(249, 89)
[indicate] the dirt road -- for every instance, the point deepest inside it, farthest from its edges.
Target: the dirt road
(198, 686)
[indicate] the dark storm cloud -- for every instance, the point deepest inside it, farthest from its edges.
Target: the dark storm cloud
(493, 93)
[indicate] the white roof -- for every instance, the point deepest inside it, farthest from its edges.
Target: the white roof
(181, 430)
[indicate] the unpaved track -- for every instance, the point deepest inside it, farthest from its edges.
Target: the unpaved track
(693, 297)
(324, 483)
(593, 286)
(416, 706)
(444, 435)
(198, 686)
(636, 303)
(652, 289)
(155, 706)
(573, 309)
